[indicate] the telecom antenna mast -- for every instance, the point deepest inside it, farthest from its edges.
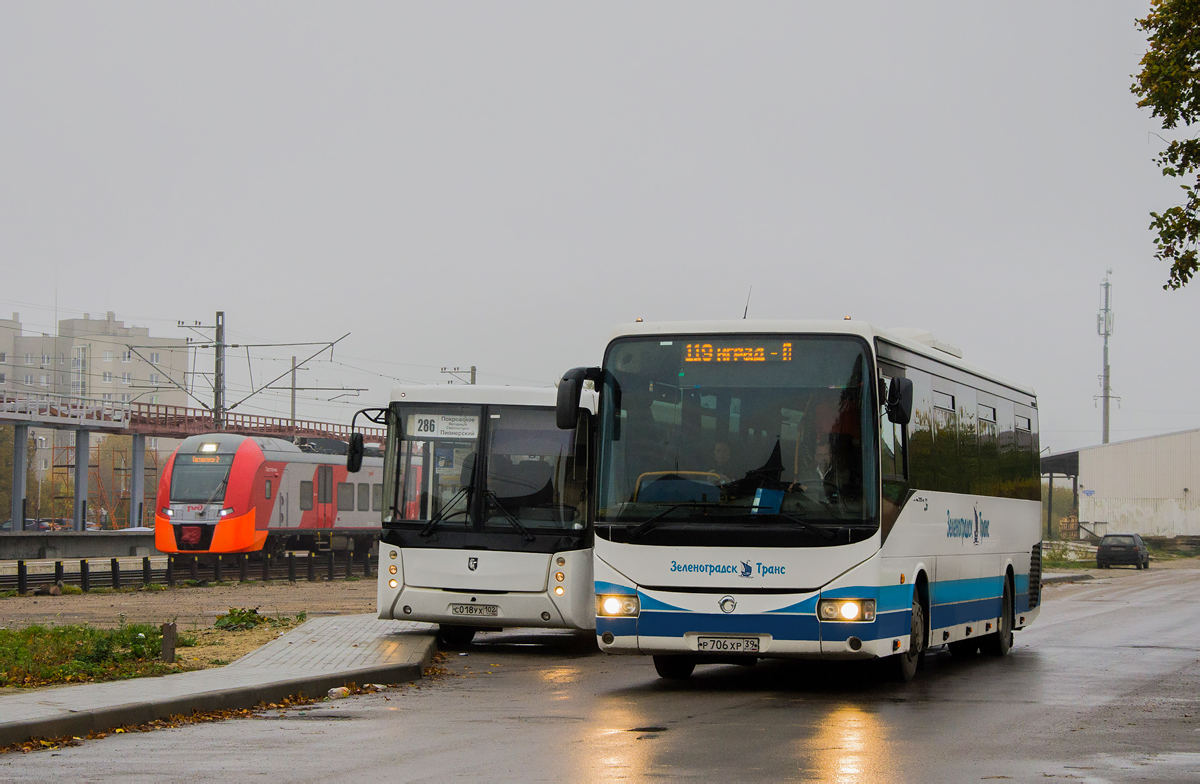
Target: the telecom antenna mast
(1104, 325)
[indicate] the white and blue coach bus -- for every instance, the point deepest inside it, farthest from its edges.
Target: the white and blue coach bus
(807, 489)
(484, 510)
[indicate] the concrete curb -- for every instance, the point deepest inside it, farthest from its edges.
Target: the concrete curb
(83, 722)
(1067, 578)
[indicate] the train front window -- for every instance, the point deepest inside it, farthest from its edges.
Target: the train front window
(200, 479)
(737, 439)
(431, 466)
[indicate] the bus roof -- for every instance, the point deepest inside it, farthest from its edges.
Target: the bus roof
(482, 394)
(863, 329)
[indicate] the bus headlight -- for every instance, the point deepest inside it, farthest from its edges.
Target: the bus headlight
(392, 583)
(862, 610)
(617, 606)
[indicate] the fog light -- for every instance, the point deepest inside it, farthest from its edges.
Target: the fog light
(545, 616)
(392, 569)
(392, 583)
(559, 576)
(558, 590)
(407, 610)
(392, 555)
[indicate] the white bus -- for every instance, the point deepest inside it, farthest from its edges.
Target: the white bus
(807, 489)
(484, 514)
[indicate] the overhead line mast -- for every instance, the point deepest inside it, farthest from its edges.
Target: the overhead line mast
(1104, 325)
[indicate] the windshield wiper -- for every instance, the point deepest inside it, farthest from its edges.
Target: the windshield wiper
(653, 521)
(529, 537)
(220, 489)
(816, 529)
(441, 515)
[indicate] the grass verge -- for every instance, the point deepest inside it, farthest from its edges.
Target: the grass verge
(44, 655)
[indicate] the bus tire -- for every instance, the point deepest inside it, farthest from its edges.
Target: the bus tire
(906, 663)
(454, 636)
(676, 668)
(999, 643)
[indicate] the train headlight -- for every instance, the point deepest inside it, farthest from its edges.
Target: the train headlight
(167, 512)
(210, 447)
(614, 606)
(225, 512)
(856, 610)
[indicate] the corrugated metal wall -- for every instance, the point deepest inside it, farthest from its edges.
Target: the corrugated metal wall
(1139, 486)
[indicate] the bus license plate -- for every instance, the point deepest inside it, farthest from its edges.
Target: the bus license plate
(488, 610)
(727, 644)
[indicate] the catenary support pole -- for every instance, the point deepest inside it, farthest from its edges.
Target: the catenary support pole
(82, 455)
(20, 464)
(137, 481)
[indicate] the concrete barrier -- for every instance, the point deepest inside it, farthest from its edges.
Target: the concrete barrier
(71, 544)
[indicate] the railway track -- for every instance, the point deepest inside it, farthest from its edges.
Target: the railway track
(100, 574)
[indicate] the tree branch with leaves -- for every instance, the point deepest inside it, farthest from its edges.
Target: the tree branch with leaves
(1169, 85)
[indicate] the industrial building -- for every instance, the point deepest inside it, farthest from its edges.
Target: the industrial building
(1145, 486)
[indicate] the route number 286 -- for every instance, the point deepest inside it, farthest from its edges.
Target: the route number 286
(426, 425)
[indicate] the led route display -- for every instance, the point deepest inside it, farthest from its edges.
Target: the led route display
(769, 351)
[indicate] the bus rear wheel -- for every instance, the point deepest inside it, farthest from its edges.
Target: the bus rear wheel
(455, 636)
(676, 668)
(906, 663)
(1000, 642)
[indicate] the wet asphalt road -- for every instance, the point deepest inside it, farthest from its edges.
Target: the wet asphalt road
(1105, 687)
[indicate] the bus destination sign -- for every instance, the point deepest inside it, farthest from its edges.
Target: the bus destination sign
(769, 351)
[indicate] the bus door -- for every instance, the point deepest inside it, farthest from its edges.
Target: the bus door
(326, 514)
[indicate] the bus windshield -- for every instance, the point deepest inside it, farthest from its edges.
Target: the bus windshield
(484, 468)
(737, 440)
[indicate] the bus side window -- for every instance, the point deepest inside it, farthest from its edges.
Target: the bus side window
(892, 469)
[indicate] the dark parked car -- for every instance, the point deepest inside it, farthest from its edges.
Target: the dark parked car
(1122, 549)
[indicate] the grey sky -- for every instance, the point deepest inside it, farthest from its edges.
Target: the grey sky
(499, 184)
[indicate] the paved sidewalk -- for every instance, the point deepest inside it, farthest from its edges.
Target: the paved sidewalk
(319, 655)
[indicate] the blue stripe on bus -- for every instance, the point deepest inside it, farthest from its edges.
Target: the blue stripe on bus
(622, 590)
(650, 603)
(1021, 583)
(780, 627)
(621, 627)
(944, 615)
(970, 590)
(1022, 604)
(890, 624)
(807, 606)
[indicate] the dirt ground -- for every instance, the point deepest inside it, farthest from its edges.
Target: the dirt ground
(195, 609)
(192, 608)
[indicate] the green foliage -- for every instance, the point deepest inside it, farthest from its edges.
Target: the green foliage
(1169, 85)
(239, 619)
(301, 617)
(40, 655)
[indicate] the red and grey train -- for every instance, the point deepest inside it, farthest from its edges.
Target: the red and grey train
(225, 493)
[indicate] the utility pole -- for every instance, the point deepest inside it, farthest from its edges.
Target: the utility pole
(293, 391)
(456, 373)
(219, 377)
(1104, 325)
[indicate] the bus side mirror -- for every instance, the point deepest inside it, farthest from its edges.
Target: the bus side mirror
(354, 455)
(570, 390)
(900, 400)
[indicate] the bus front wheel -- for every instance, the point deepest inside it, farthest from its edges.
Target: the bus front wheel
(455, 636)
(1000, 642)
(907, 662)
(676, 668)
